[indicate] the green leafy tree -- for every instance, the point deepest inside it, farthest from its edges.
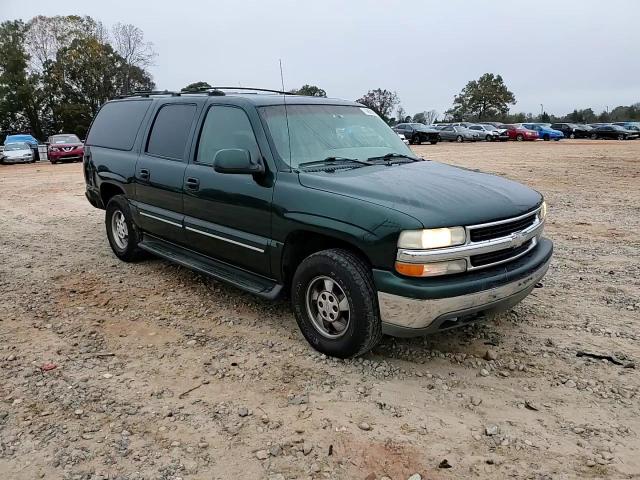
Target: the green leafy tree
(196, 86)
(482, 99)
(310, 91)
(20, 101)
(380, 101)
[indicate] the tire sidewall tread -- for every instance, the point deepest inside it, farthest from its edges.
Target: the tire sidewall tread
(354, 277)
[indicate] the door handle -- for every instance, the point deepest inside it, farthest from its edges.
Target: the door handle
(144, 174)
(193, 183)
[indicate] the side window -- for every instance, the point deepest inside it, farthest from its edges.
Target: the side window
(170, 131)
(117, 124)
(226, 127)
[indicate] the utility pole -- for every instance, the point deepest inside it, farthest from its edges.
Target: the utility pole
(541, 109)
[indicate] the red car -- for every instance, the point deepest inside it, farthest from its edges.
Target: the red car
(64, 148)
(519, 133)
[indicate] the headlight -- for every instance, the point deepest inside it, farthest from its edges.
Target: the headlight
(543, 211)
(432, 238)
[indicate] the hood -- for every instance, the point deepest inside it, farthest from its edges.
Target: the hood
(426, 128)
(435, 194)
(65, 145)
(15, 153)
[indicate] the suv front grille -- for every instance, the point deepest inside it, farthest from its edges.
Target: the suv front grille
(499, 255)
(502, 229)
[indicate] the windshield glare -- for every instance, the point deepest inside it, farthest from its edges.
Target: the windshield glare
(65, 139)
(322, 131)
(16, 146)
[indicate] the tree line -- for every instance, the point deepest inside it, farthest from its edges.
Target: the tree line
(56, 72)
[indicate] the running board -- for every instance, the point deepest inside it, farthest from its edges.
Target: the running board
(242, 279)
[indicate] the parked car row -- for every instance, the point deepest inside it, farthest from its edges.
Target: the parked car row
(416, 133)
(24, 148)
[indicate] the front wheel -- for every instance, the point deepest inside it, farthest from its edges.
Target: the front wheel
(459, 139)
(621, 137)
(519, 137)
(335, 303)
(572, 136)
(594, 136)
(416, 140)
(122, 232)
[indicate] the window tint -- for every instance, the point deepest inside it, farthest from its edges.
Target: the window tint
(170, 131)
(226, 127)
(117, 124)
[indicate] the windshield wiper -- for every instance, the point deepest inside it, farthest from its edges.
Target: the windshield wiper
(330, 161)
(390, 156)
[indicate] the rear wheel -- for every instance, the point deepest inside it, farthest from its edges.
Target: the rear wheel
(594, 136)
(433, 142)
(335, 303)
(545, 137)
(488, 138)
(416, 139)
(572, 136)
(519, 137)
(122, 232)
(459, 139)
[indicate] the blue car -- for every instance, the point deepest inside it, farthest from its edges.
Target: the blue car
(30, 139)
(545, 131)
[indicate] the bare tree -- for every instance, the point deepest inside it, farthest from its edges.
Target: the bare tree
(129, 42)
(45, 36)
(430, 116)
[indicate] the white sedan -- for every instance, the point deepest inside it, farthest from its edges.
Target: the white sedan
(19, 152)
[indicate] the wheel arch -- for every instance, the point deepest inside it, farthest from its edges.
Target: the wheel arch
(299, 244)
(108, 190)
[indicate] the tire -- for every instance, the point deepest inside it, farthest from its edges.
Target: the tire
(460, 139)
(433, 142)
(123, 242)
(416, 140)
(545, 137)
(594, 136)
(519, 137)
(621, 137)
(572, 136)
(338, 275)
(488, 138)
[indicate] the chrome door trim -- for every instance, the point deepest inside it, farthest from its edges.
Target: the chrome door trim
(217, 237)
(145, 214)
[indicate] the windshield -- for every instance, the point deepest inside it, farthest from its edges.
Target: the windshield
(16, 146)
(65, 139)
(323, 131)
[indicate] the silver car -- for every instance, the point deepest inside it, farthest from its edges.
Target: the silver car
(490, 133)
(457, 133)
(19, 152)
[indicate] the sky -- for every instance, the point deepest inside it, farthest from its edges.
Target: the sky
(561, 54)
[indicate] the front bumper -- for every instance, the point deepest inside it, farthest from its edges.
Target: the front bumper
(62, 156)
(410, 307)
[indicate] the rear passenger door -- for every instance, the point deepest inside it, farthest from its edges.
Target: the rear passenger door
(228, 216)
(160, 171)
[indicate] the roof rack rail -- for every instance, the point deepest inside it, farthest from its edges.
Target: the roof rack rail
(148, 93)
(219, 90)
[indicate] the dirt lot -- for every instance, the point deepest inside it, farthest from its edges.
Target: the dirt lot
(161, 373)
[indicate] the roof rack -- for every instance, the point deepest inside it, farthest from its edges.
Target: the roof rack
(211, 91)
(148, 93)
(219, 90)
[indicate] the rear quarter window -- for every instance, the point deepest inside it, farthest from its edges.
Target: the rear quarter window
(117, 123)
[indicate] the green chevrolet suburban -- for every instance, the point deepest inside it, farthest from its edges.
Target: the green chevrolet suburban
(316, 199)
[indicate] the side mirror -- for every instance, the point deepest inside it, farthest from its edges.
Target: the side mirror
(236, 160)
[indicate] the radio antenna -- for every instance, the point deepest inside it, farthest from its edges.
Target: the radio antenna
(286, 114)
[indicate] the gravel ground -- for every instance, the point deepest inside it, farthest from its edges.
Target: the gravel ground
(148, 371)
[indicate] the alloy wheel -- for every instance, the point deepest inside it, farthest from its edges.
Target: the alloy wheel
(328, 307)
(119, 230)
